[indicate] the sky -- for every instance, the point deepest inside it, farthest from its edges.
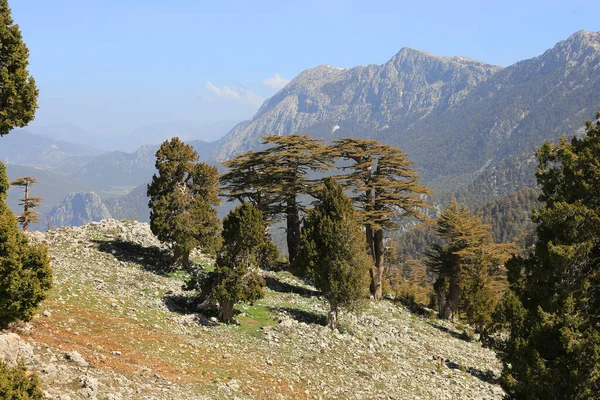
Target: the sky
(139, 69)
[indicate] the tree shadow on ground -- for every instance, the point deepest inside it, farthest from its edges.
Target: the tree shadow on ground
(283, 287)
(307, 317)
(190, 306)
(150, 258)
(451, 332)
(485, 376)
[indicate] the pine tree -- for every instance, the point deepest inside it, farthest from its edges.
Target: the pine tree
(29, 203)
(235, 276)
(553, 307)
(463, 265)
(385, 188)
(183, 196)
(333, 250)
(25, 273)
(16, 384)
(18, 93)
(273, 179)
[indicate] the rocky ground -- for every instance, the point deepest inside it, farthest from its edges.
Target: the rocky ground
(115, 327)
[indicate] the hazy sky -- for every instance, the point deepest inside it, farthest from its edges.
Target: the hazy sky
(114, 67)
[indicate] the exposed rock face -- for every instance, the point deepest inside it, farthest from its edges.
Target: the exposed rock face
(455, 117)
(78, 209)
(13, 349)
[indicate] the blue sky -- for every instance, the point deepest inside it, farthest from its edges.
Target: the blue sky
(114, 67)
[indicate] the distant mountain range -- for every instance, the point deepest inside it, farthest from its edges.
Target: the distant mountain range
(455, 117)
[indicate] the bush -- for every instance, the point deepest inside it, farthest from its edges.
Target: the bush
(15, 384)
(25, 273)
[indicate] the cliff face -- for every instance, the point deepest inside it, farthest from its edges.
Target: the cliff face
(78, 209)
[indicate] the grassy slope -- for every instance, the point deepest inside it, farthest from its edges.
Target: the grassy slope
(109, 298)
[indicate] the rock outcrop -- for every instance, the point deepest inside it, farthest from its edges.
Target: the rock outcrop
(78, 209)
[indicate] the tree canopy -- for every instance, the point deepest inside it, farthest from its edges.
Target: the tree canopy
(183, 196)
(18, 93)
(385, 188)
(553, 307)
(235, 276)
(333, 250)
(274, 178)
(25, 273)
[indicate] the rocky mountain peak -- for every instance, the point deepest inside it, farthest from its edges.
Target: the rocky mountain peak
(78, 209)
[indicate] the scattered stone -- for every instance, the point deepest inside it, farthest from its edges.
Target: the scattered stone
(47, 313)
(89, 386)
(76, 358)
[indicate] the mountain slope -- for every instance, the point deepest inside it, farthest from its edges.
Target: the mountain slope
(515, 110)
(25, 148)
(126, 316)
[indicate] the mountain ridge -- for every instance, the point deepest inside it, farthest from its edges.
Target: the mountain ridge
(454, 116)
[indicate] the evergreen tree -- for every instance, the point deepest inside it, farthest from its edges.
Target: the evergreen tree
(29, 203)
(25, 273)
(18, 93)
(183, 196)
(463, 265)
(235, 276)
(16, 384)
(333, 250)
(553, 307)
(247, 181)
(385, 188)
(273, 179)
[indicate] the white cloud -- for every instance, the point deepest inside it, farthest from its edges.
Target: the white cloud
(233, 93)
(276, 81)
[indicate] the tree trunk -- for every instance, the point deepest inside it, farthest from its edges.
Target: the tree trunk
(25, 209)
(332, 316)
(449, 301)
(293, 229)
(182, 257)
(377, 274)
(371, 252)
(226, 311)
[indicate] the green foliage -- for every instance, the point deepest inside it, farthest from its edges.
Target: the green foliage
(25, 273)
(29, 203)
(464, 265)
(18, 101)
(384, 188)
(510, 217)
(15, 384)
(183, 197)
(333, 250)
(274, 178)
(235, 277)
(553, 309)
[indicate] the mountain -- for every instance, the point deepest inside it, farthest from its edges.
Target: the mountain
(52, 187)
(361, 101)
(24, 148)
(78, 209)
(455, 117)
